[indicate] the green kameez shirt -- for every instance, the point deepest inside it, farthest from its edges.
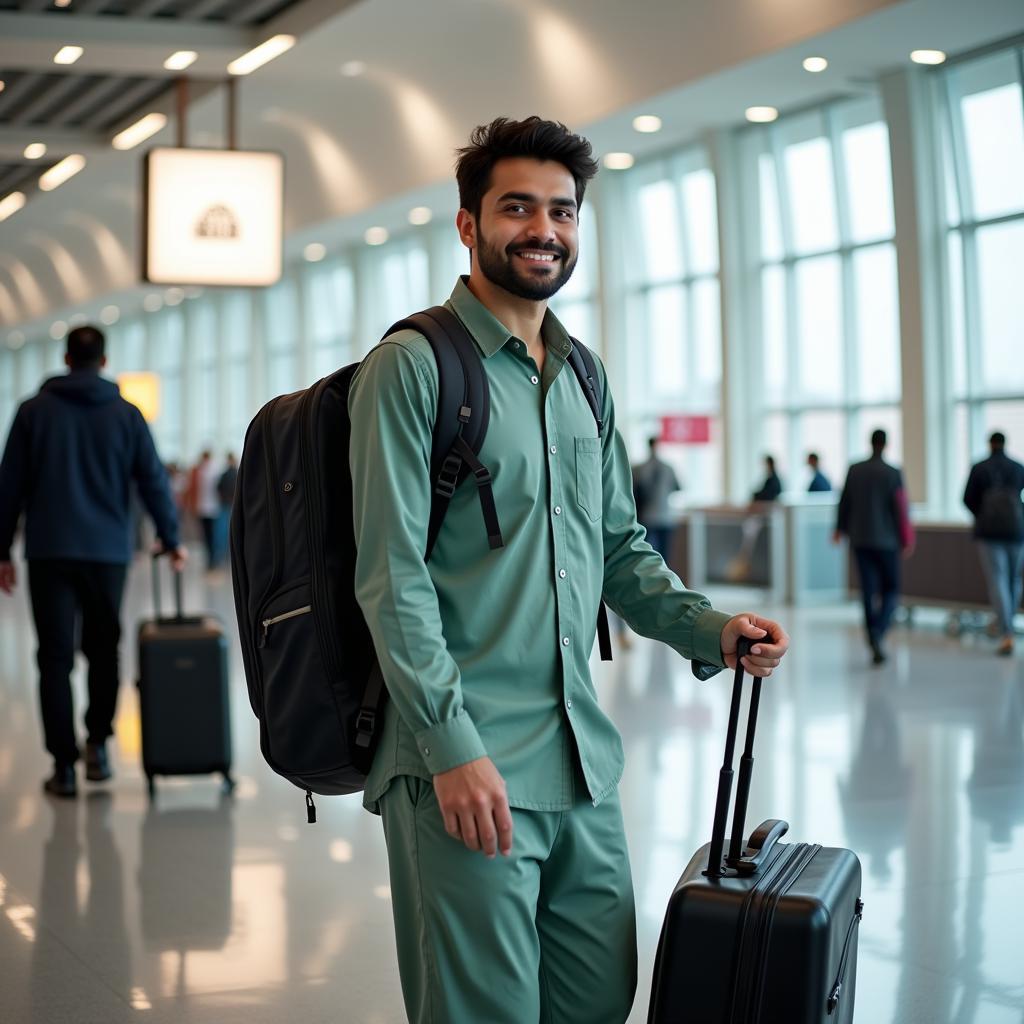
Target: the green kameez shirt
(486, 653)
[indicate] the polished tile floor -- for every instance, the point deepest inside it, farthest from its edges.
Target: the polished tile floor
(197, 909)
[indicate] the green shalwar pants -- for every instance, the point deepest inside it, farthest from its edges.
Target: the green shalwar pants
(546, 935)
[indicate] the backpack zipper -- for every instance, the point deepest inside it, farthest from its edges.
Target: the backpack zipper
(833, 997)
(267, 623)
(277, 528)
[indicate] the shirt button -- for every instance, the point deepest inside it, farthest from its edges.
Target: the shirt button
(535, 379)
(568, 703)
(558, 510)
(426, 750)
(561, 574)
(565, 641)
(553, 449)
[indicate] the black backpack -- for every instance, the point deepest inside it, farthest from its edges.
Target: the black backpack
(310, 666)
(1001, 516)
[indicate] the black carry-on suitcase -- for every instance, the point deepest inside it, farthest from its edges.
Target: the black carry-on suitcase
(764, 933)
(183, 692)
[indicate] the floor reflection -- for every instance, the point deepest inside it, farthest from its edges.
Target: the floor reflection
(219, 910)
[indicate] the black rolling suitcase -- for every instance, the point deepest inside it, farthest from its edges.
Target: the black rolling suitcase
(183, 693)
(761, 934)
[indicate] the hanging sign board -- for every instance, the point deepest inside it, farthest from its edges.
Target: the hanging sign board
(212, 217)
(685, 430)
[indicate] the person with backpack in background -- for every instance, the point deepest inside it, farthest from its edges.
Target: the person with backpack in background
(993, 495)
(654, 481)
(72, 456)
(496, 774)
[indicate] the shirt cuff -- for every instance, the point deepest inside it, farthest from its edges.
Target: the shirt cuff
(449, 744)
(707, 643)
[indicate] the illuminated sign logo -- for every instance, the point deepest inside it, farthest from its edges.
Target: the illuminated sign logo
(213, 217)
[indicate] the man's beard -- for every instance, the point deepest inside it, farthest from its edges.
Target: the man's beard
(498, 266)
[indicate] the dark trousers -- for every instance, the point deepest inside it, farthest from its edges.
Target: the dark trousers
(660, 538)
(210, 540)
(879, 571)
(67, 595)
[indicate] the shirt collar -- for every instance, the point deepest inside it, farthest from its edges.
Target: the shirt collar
(490, 334)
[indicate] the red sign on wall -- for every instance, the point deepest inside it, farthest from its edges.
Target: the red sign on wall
(685, 429)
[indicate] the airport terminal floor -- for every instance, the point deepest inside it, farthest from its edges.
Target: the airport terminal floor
(202, 909)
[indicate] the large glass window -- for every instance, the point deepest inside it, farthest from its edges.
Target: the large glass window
(576, 303)
(674, 362)
(982, 120)
(330, 297)
(167, 352)
(281, 325)
(826, 311)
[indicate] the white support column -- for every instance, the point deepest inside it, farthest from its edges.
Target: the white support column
(738, 289)
(917, 204)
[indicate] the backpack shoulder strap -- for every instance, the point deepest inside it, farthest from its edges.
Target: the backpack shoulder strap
(584, 365)
(463, 413)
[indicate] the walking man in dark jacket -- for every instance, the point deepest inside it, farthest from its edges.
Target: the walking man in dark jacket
(72, 453)
(873, 514)
(993, 495)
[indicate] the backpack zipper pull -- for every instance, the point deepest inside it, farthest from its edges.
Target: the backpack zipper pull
(262, 642)
(310, 808)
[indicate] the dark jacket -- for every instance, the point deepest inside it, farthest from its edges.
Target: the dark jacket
(997, 470)
(770, 490)
(869, 509)
(71, 456)
(819, 482)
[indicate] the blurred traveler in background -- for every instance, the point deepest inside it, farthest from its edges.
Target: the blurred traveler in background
(819, 482)
(772, 486)
(993, 495)
(653, 482)
(873, 514)
(207, 505)
(71, 458)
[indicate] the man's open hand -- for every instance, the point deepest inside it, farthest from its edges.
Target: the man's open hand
(763, 656)
(474, 806)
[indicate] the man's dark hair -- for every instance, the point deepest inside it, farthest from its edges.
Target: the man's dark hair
(503, 139)
(770, 463)
(879, 439)
(86, 348)
(997, 441)
(813, 458)
(653, 441)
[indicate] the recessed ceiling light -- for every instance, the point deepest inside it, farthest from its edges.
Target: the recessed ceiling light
(110, 315)
(15, 339)
(262, 54)
(353, 68)
(618, 161)
(139, 132)
(815, 64)
(152, 302)
(420, 215)
(647, 123)
(59, 173)
(376, 236)
(58, 329)
(761, 115)
(67, 55)
(61, 3)
(11, 204)
(927, 56)
(173, 296)
(314, 252)
(180, 59)
(34, 150)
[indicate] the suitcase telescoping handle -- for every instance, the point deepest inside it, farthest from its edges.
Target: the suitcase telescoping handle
(770, 831)
(179, 603)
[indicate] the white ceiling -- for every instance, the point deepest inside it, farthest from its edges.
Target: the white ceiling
(363, 150)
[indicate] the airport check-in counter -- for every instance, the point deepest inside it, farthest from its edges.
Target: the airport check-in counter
(783, 548)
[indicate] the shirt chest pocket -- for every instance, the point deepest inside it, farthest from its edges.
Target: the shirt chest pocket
(589, 494)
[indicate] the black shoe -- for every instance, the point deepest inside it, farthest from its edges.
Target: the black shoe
(62, 782)
(97, 764)
(878, 656)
